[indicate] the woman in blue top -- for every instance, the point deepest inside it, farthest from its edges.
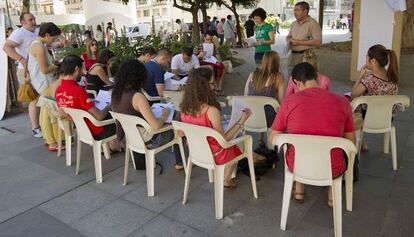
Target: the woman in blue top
(265, 35)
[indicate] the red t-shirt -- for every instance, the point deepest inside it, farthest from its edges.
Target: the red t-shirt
(88, 61)
(70, 94)
(316, 111)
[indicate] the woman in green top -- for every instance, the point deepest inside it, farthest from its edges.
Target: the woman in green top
(265, 35)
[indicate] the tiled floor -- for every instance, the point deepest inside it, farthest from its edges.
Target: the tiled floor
(40, 196)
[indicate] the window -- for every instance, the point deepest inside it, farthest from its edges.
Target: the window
(146, 13)
(139, 14)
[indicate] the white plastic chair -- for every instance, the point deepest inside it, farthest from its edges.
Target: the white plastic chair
(201, 155)
(84, 135)
(378, 119)
(63, 124)
(313, 166)
(151, 98)
(134, 142)
(257, 121)
(176, 97)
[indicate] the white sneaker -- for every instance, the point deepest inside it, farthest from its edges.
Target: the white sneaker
(37, 132)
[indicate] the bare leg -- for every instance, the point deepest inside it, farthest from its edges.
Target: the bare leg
(34, 113)
(227, 177)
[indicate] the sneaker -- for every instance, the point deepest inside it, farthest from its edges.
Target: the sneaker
(37, 132)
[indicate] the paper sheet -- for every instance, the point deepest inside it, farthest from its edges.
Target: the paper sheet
(168, 75)
(169, 86)
(158, 107)
(251, 41)
(236, 112)
(212, 59)
(208, 50)
(103, 99)
(180, 82)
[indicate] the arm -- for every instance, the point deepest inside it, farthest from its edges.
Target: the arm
(10, 49)
(272, 38)
(215, 118)
(273, 134)
(140, 104)
(359, 88)
(98, 114)
(39, 53)
(160, 89)
(102, 75)
(246, 87)
(280, 88)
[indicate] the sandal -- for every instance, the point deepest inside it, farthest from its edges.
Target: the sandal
(54, 148)
(298, 200)
(179, 167)
(230, 184)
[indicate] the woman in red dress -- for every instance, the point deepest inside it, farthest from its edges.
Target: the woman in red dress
(91, 56)
(200, 107)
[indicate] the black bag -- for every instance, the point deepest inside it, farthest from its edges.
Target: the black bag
(140, 163)
(261, 167)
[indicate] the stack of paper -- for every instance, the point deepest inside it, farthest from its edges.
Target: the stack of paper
(158, 107)
(180, 82)
(168, 75)
(103, 99)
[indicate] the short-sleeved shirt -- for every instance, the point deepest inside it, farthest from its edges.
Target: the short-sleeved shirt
(307, 30)
(155, 76)
(183, 68)
(69, 94)
(262, 33)
(378, 86)
(23, 38)
(316, 111)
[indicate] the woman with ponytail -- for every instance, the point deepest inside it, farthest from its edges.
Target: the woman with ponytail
(375, 78)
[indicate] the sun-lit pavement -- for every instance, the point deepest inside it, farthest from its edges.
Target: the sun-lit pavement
(40, 196)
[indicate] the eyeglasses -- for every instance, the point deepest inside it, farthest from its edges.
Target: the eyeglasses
(94, 45)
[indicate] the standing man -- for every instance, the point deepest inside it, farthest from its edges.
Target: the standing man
(16, 47)
(230, 32)
(213, 26)
(249, 26)
(220, 30)
(305, 33)
(183, 30)
(314, 111)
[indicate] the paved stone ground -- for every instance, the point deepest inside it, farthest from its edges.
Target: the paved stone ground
(40, 196)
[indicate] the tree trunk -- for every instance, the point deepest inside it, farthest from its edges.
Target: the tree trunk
(407, 39)
(195, 35)
(26, 6)
(321, 5)
(205, 21)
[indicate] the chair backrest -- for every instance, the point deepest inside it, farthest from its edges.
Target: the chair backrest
(151, 98)
(78, 116)
(257, 121)
(129, 124)
(50, 104)
(198, 146)
(312, 155)
(176, 97)
(379, 109)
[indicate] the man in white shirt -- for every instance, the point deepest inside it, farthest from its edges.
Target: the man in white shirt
(183, 30)
(16, 47)
(182, 64)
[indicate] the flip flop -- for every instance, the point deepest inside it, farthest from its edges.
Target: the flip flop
(179, 167)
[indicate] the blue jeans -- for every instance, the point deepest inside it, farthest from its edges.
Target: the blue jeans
(258, 57)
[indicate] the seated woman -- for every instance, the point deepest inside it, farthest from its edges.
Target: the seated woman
(324, 82)
(267, 81)
(200, 107)
(211, 58)
(375, 79)
(91, 56)
(42, 73)
(99, 73)
(128, 99)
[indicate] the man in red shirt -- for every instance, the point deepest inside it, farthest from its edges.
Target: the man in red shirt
(314, 111)
(70, 94)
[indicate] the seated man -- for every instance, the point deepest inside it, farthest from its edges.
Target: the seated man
(314, 111)
(70, 94)
(182, 64)
(147, 54)
(155, 84)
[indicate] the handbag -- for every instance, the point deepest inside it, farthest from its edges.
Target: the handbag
(26, 92)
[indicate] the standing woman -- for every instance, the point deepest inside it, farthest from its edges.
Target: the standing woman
(91, 56)
(200, 107)
(99, 35)
(99, 73)
(42, 72)
(265, 35)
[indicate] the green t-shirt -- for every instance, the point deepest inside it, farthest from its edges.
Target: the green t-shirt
(262, 33)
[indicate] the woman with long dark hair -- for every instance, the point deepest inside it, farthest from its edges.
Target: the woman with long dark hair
(200, 107)
(128, 99)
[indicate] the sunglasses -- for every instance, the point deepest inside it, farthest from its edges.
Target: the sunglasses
(94, 45)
